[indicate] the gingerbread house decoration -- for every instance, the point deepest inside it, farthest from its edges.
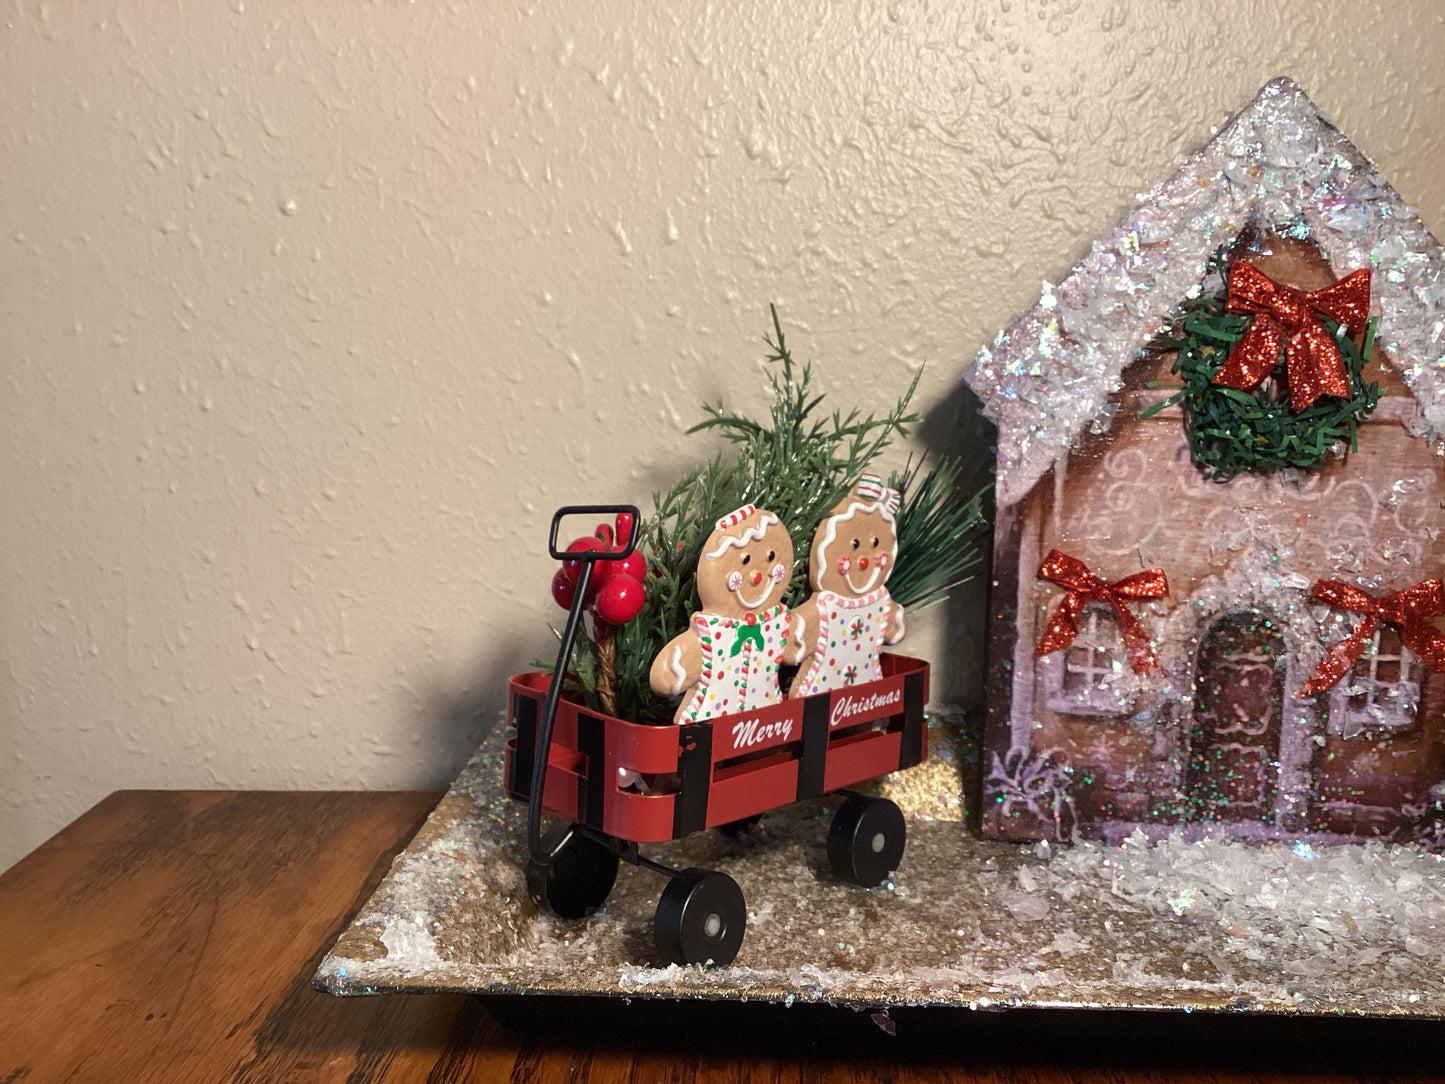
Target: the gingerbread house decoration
(1211, 731)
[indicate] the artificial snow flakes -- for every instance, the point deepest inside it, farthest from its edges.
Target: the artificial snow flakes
(1288, 927)
(1311, 179)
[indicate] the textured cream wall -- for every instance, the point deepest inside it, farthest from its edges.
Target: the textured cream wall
(311, 313)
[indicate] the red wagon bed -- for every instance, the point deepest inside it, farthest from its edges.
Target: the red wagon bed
(730, 768)
(585, 767)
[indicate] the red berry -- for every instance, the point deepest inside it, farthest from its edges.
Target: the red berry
(563, 590)
(624, 524)
(633, 565)
(573, 569)
(619, 600)
(603, 534)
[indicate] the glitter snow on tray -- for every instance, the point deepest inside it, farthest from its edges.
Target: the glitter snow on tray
(1289, 926)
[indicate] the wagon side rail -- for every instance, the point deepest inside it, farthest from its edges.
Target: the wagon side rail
(725, 770)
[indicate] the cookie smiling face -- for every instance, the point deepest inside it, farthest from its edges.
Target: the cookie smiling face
(856, 546)
(745, 564)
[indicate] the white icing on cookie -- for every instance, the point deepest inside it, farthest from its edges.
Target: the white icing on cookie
(902, 626)
(728, 541)
(757, 603)
(679, 675)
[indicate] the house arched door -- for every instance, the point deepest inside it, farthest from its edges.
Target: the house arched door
(1233, 770)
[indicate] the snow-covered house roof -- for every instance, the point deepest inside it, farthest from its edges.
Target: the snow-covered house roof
(1278, 165)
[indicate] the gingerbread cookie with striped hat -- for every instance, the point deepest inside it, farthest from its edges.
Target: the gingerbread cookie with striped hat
(727, 660)
(838, 633)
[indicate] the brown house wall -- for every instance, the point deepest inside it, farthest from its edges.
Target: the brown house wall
(1132, 499)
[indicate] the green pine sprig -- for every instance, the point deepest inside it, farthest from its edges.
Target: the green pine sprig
(806, 461)
(940, 533)
(798, 465)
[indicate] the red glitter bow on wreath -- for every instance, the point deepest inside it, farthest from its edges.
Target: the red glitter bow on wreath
(1406, 610)
(1085, 587)
(1289, 317)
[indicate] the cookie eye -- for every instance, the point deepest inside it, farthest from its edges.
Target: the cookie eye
(747, 557)
(772, 554)
(856, 543)
(875, 543)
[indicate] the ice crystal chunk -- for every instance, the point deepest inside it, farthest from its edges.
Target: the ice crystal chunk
(1024, 906)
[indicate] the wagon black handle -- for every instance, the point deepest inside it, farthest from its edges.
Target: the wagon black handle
(585, 560)
(589, 556)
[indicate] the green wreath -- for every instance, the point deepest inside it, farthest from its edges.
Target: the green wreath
(1232, 431)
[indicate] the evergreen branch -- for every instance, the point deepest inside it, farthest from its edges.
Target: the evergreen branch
(798, 464)
(940, 534)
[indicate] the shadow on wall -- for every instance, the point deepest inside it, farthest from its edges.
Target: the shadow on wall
(457, 720)
(955, 426)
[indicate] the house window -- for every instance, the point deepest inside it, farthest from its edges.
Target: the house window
(1084, 678)
(1382, 692)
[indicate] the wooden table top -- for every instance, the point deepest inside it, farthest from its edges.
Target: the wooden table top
(172, 936)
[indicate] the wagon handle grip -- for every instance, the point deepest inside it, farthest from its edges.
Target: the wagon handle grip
(585, 560)
(594, 510)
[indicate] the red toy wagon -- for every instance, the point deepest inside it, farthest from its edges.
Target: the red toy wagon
(720, 772)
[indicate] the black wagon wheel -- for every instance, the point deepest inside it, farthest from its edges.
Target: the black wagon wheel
(572, 874)
(865, 841)
(700, 919)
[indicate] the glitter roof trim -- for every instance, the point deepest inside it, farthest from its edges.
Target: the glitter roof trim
(1279, 165)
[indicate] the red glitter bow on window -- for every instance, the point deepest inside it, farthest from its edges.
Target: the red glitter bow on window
(1406, 610)
(1085, 587)
(1289, 317)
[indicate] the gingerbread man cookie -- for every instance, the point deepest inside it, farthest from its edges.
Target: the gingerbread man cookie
(727, 660)
(838, 632)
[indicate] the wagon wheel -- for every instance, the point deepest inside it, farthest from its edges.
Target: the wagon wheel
(700, 919)
(865, 841)
(573, 873)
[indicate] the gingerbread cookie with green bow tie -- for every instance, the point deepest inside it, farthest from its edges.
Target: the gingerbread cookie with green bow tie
(727, 661)
(838, 633)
